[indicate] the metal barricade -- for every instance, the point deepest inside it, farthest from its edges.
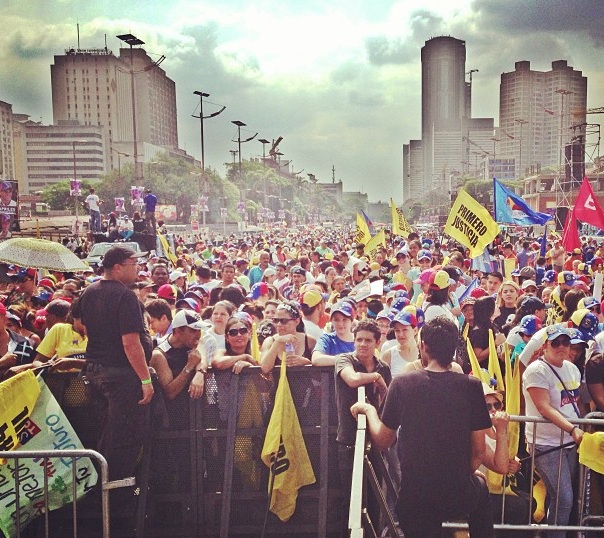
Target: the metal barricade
(358, 512)
(47, 456)
(205, 465)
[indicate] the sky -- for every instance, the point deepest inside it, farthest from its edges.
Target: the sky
(340, 80)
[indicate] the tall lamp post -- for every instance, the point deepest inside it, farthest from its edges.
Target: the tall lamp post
(132, 41)
(76, 190)
(264, 142)
(119, 162)
(521, 122)
(239, 125)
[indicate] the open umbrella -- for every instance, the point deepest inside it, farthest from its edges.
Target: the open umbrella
(39, 254)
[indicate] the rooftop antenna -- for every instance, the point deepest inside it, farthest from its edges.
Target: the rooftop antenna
(78, 26)
(105, 42)
(333, 173)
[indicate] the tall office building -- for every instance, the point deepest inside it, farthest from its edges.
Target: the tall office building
(445, 100)
(93, 87)
(413, 180)
(7, 166)
(537, 112)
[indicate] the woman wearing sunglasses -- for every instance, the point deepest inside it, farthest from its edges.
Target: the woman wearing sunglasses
(290, 339)
(551, 390)
(237, 352)
(497, 463)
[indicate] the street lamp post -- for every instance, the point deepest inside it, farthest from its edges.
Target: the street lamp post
(239, 125)
(202, 178)
(264, 142)
(131, 41)
(119, 162)
(77, 188)
(521, 122)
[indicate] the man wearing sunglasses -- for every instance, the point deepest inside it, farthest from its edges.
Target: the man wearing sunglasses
(551, 390)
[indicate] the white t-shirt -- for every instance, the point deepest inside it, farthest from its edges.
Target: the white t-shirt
(93, 202)
(539, 374)
(432, 311)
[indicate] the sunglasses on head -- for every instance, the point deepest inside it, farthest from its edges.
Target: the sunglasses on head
(560, 342)
(241, 331)
(497, 406)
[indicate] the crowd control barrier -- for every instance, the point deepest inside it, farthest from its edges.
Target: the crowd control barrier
(589, 504)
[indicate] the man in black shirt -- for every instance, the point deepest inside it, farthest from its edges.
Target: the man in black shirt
(119, 348)
(443, 418)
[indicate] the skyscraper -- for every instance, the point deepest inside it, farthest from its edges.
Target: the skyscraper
(537, 110)
(93, 87)
(445, 100)
(7, 167)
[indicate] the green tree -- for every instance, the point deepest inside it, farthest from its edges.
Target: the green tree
(57, 195)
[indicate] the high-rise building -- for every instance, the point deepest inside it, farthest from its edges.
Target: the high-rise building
(7, 166)
(413, 179)
(537, 112)
(445, 98)
(48, 154)
(93, 87)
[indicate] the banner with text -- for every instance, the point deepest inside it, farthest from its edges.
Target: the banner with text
(471, 224)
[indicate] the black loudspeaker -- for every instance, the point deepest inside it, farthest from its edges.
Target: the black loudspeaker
(561, 213)
(574, 165)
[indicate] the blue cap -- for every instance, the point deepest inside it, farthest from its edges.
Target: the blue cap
(413, 317)
(576, 336)
(529, 325)
(549, 276)
(553, 331)
(399, 303)
(6, 186)
(424, 254)
(588, 302)
(343, 308)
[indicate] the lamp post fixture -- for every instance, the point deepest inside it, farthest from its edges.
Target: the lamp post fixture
(132, 41)
(264, 142)
(239, 125)
(119, 163)
(76, 194)
(202, 178)
(521, 122)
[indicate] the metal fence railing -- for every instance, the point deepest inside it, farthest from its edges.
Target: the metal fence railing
(364, 476)
(42, 526)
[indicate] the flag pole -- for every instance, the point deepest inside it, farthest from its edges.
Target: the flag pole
(270, 493)
(494, 201)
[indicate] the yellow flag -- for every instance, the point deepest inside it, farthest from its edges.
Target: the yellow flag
(373, 246)
(512, 400)
(494, 367)
(18, 397)
(255, 344)
(166, 246)
(284, 453)
(471, 224)
(477, 371)
(362, 235)
(400, 226)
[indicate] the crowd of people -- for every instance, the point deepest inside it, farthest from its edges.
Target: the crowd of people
(395, 323)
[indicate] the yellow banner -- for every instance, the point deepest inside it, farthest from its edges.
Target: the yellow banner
(284, 452)
(471, 224)
(18, 397)
(400, 226)
(362, 235)
(373, 246)
(166, 246)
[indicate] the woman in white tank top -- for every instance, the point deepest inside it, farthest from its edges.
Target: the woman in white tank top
(405, 325)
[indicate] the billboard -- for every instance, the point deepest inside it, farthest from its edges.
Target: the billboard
(9, 208)
(166, 212)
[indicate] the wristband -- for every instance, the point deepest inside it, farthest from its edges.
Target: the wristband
(201, 371)
(572, 430)
(147, 381)
(186, 370)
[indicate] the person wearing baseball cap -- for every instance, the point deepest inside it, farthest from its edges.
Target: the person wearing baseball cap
(551, 389)
(421, 285)
(340, 340)
(529, 287)
(586, 322)
(405, 325)
(437, 299)
(566, 280)
(178, 362)
(528, 326)
(119, 381)
(424, 261)
(312, 304)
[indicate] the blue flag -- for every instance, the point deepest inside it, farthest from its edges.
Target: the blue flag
(511, 208)
(368, 221)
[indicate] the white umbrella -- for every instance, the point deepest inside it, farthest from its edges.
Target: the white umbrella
(39, 254)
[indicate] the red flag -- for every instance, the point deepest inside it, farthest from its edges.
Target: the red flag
(587, 208)
(570, 237)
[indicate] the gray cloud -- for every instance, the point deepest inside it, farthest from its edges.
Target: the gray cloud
(519, 16)
(382, 51)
